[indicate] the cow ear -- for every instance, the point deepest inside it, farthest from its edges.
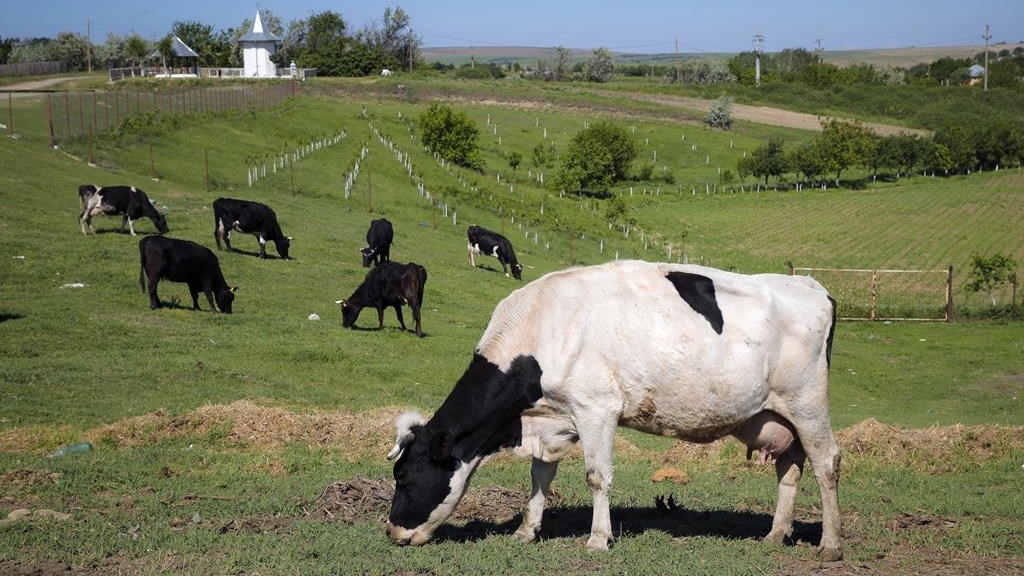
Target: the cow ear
(341, 303)
(441, 445)
(234, 289)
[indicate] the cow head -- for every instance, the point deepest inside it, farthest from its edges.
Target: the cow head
(161, 223)
(282, 246)
(368, 254)
(517, 271)
(349, 313)
(429, 480)
(225, 298)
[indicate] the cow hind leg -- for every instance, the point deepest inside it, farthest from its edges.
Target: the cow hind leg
(819, 443)
(398, 312)
(788, 468)
(541, 475)
(154, 300)
(416, 318)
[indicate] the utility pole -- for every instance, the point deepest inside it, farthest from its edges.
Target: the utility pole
(677, 79)
(758, 44)
(88, 43)
(818, 50)
(987, 36)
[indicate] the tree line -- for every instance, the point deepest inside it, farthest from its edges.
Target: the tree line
(324, 41)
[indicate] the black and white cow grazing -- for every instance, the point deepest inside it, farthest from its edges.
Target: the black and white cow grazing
(249, 218)
(129, 201)
(387, 284)
(483, 241)
(183, 261)
(683, 351)
(378, 242)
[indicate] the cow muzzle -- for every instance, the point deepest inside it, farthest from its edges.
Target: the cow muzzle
(406, 537)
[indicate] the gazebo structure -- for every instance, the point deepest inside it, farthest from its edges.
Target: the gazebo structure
(258, 45)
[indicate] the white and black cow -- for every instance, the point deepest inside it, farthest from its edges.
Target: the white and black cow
(183, 261)
(129, 201)
(249, 218)
(483, 241)
(378, 242)
(387, 284)
(683, 351)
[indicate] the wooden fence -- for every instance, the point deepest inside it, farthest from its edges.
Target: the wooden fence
(921, 295)
(33, 68)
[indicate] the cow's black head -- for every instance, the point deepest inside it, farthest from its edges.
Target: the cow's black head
(161, 224)
(429, 481)
(368, 254)
(282, 247)
(517, 271)
(225, 298)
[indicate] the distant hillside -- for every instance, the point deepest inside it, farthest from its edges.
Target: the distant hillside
(524, 55)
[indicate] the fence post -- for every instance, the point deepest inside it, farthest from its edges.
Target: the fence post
(874, 294)
(206, 161)
(949, 293)
(49, 116)
(10, 112)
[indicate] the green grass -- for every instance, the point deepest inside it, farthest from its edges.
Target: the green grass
(74, 359)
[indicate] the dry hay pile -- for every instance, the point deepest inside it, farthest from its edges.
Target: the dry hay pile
(937, 449)
(244, 422)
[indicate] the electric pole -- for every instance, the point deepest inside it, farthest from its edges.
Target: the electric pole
(88, 43)
(987, 36)
(818, 50)
(758, 44)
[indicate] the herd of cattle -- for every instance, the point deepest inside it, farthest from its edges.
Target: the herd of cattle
(388, 284)
(683, 351)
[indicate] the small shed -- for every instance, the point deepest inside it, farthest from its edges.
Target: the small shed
(258, 45)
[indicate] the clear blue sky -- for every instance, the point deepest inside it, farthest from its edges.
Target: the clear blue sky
(637, 26)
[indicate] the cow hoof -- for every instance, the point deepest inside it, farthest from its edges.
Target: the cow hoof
(777, 537)
(830, 554)
(525, 535)
(597, 544)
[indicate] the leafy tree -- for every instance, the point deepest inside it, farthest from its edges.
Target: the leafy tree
(958, 144)
(821, 75)
(514, 160)
(600, 66)
(6, 47)
(73, 50)
(938, 159)
(790, 63)
(596, 158)
(743, 67)
(720, 114)
(136, 49)
(989, 273)
(767, 160)
(200, 38)
(394, 40)
(807, 159)
(562, 58)
(450, 134)
(844, 144)
(324, 43)
(543, 156)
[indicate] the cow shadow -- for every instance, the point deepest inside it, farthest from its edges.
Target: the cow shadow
(254, 253)
(385, 329)
(574, 522)
(487, 268)
(5, 316)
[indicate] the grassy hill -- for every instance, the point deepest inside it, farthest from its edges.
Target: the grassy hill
(218, 439)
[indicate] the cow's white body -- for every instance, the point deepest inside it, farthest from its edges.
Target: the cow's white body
(617, 345)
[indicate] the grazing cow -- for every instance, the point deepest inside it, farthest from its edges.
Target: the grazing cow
(184, 261)
(387, 284)
(378, 242)
(483, 241)
(129, 201)
(683, 351)
(249, 218)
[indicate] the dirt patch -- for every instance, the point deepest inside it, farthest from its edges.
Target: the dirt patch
(357, 499)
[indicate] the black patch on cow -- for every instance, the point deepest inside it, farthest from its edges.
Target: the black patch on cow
(481, 415)
(699, 292)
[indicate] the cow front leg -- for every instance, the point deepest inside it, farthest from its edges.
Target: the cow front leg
(597, 436)
(541, 475)
(195, 297)
(263, 247)
(788, 468)
(131, 226)
(380, 317)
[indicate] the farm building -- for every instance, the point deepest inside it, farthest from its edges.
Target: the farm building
(258, 45)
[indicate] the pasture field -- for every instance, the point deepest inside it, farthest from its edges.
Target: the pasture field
(253, 443)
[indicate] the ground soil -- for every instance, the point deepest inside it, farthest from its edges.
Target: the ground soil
(488, 510)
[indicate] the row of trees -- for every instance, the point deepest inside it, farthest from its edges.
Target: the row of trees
(322, 41)
(842, 145)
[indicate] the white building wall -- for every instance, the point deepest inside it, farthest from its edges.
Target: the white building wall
(256, 58)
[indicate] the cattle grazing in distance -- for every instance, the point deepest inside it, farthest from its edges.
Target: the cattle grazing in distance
(387, 284)
(483, 241)
(682, 351)
(230, 215)
(183, 261)
(129, 201)
(378, 242)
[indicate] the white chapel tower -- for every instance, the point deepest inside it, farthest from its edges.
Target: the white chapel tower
(258, 45)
